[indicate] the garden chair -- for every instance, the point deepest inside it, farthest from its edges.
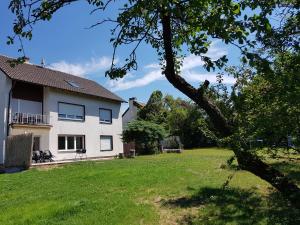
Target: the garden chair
(81, 153)
(37, 156)
(47, 155)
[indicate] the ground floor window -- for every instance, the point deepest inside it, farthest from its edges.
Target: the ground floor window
(71, 142)
(106, 143)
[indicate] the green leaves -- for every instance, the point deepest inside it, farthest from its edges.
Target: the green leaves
(236, 8)
(145, 134)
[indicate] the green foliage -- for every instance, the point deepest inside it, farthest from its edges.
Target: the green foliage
(191, 124)
(180, 118)
(145, 134)
(154, 110)
(194, 23)
(266, 105)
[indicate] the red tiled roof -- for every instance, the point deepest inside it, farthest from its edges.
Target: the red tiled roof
(51, 78)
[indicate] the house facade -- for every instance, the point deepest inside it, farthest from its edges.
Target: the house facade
(64, 112)
(132, 110)
(130, 114)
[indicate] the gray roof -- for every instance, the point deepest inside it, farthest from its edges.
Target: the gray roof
(51, 78)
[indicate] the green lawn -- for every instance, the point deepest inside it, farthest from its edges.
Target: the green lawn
(163, 189)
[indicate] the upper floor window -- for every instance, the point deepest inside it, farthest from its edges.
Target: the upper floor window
(67, 111)
(105, 116)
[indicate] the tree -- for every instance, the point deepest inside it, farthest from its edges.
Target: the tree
(186, 120)
(268, 106)
(171, 25)
(145, 134)
(154, 110)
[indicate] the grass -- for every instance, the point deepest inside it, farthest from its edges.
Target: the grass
(163, 189)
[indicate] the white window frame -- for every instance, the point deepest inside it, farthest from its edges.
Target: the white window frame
(70, 117)
(111, 145)
(105, 121)
(66, 142)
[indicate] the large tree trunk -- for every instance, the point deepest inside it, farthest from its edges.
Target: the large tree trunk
(246, 160)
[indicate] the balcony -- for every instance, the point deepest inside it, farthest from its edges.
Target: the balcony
(29, 119)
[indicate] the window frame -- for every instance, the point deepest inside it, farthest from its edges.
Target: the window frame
(70, 119)
(105, 122)
(66, 142)
(112, 143)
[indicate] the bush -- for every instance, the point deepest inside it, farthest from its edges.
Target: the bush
(145, 134)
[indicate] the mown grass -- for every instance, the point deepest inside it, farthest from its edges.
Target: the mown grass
(162, 189)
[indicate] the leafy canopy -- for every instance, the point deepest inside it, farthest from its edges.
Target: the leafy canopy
(194, 23)
(145, 134)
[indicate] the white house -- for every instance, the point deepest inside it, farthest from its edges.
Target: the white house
(64, 112)
(132, 110)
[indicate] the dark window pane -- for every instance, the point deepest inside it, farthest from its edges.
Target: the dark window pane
(105, 115)
(61, 143)
(70, 142)
(36, 143)
(79, 142)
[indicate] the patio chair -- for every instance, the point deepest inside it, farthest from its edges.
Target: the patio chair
(37, 156)
(80, 153)
(47, 155)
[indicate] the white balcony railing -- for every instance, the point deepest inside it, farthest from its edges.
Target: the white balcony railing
(28, 118)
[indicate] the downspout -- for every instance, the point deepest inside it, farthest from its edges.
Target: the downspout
(8, 108)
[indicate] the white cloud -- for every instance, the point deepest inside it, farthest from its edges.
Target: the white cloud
(81, 69)
(124, 84)
(190, 63)
(152, 66)
(193, 76)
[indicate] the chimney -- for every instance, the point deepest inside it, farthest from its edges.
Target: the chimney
(131, 100)
(26, 60)
(43, 64)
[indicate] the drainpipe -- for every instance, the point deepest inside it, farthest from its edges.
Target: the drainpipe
(8, 108)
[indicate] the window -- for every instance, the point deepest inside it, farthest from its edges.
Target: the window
(79, 142)
(67, 111)
(105, 116)
(73, 83)
(70, 142)
(106, 143)
(61, 143)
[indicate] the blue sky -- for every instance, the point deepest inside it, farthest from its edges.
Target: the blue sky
(66, 45)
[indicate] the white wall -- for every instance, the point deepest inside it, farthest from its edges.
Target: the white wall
(131, 113)
(91, 127)
(5, 86)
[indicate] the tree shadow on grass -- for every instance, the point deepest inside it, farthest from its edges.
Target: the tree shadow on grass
(291, 169)
(235, 206)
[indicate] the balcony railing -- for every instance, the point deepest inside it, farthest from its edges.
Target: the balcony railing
(28, 118)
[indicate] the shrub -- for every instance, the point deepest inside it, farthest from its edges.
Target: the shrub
(145, 134)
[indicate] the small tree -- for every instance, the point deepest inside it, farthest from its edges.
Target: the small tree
(145, 134)
(154, 110)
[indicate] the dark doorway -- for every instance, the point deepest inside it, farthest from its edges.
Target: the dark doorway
(36, 143)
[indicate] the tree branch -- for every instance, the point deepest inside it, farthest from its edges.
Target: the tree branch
(181, 84)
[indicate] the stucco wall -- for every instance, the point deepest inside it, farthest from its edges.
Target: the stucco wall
(130, 114)
(5, 86)
(91, 127)
(43, 133)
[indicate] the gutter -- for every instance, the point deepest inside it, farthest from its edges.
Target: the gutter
(8, 108)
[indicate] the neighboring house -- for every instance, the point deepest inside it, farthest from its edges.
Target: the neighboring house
(64, 112)
(131, 112)
(129, 115)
